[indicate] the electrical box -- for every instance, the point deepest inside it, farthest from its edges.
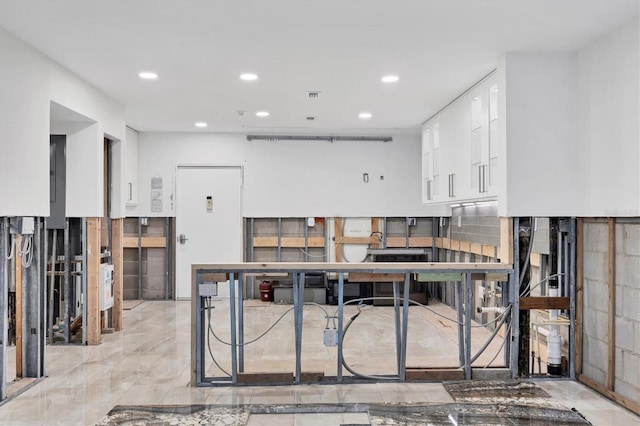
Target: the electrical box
(106, 287)
(330, 337)
(22, 225)
(208, 289)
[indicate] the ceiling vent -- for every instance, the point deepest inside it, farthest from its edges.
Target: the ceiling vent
(313, 95)
(310, 118)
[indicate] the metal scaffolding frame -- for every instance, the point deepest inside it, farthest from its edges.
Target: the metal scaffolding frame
(236, 273)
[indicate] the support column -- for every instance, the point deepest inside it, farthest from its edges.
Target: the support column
(4, 293)
(33, 298)
(92, 297)
(117, 258)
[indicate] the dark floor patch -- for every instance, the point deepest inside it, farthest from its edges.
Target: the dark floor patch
(474, 389)
(379, 414)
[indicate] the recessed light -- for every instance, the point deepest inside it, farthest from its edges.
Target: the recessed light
(262, 114)
(248, 76)
(201, 124)
(147, 75)
(390, 79)
(365, 115)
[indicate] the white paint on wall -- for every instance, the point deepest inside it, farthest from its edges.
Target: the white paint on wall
(29, 82)
(541, 134)
(609, 124)
(24, 130)
(292, 178)
(85, 178)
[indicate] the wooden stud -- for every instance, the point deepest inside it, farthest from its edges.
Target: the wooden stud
(579, 292)
(375, 227)
(611, 338)
(337, 228)
(506, 240)
(117, 256)
(93, 275)
(18, 276)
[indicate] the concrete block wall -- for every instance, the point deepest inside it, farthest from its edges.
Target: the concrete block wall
(627, 313)
(627, 323)
(594, 325)
(476, 224)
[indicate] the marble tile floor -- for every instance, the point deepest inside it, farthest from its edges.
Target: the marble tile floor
(149, 364)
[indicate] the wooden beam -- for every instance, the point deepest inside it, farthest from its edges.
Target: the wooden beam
(505, 253)
(147, 242)
(118, 272)
(528, 303)
(92, 299)
(434, 374)
(396, 242)
(358, 240)
(579, 291)
(18, 276)
(616, 397)
(289, 242)
(337, 232)
(365, 277)
(214, 277)
(611, 337)
(263, 378)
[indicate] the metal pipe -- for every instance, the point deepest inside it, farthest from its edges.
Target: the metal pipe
(232, 317)
(84, 280)
(200, 330)
(340, 324)
(306, 240)
(301, 283)
(396, 310)
(241, 321)
(467, 324)
(139, 258)
(459, 303)
(67, 283)
(405, 328)
(166, 257)
(4, 294)
(572, 299)
(52, 283)
(279, 239)
(515, 299)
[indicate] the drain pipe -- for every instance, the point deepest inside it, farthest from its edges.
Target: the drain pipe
(554, 340)
(491, 309)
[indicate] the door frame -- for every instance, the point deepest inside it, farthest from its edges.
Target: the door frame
(174, 199)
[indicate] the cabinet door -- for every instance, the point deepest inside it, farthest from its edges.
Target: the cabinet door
(131, 168)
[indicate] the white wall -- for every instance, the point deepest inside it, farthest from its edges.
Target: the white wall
(24, 130)
(608, 125)
(541, 134)
(28, 83)
(294, 179)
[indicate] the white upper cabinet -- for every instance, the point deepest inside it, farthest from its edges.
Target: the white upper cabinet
(459, 147)
(130, 189)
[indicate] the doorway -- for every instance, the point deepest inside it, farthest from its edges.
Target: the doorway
(208, 221)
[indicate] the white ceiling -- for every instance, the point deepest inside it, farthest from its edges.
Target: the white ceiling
(341, 48)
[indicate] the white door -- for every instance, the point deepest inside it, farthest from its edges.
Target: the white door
(209, 216)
